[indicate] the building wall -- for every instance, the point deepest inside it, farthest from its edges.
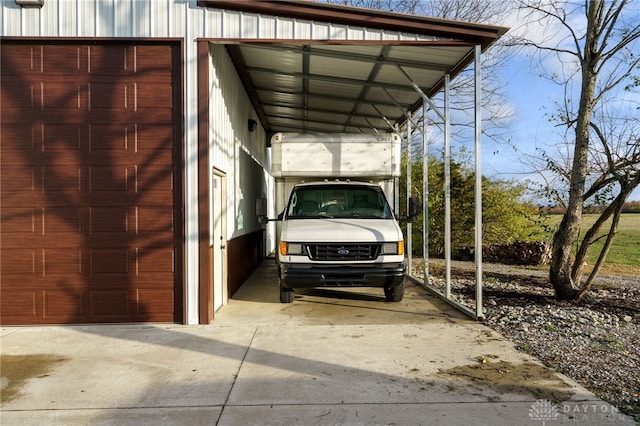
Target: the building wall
(231, 143)
(234, 149)
(241, 154)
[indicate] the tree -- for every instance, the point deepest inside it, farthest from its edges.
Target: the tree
(599, 54)
(505, 217)
(406, 6)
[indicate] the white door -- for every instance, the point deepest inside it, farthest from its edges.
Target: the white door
(219, 242)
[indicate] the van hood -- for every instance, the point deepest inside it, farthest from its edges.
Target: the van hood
(340, 230)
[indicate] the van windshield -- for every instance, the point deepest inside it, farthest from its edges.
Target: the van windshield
(338, 201)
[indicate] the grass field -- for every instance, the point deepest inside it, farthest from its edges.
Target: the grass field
(624, 255)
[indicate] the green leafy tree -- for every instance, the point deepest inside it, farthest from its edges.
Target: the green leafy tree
(505, 218)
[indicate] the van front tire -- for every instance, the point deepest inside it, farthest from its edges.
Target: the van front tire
(286, 295)
(394, 294)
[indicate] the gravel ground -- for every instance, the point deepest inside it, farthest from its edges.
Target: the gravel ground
(596, 342)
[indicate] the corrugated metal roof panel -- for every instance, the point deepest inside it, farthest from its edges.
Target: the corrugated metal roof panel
(347, 69)
(340, 68)
(370, 82)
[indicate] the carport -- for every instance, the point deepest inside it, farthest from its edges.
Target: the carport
(359, 71)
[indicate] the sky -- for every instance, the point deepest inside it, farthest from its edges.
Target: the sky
(532, 98)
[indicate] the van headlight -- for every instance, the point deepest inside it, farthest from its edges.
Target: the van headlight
(393, 248)
(287, 249)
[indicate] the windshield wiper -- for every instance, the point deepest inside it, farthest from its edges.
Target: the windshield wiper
(366, 216)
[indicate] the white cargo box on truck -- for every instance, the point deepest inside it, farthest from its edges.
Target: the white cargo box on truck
(335, 155)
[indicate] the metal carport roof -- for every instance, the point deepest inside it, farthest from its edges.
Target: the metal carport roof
(337, 82)
(337, 85)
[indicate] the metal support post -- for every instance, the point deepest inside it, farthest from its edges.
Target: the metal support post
(478, 184)
(425, 194)
(447, 188)
(409, 244)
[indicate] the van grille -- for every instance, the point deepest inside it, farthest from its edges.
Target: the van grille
(340, 252)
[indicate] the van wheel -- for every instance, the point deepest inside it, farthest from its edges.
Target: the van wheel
(286, 295)
(394, 294)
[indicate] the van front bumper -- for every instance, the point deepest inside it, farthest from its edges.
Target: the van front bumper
(387, 275)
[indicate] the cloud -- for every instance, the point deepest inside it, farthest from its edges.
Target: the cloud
(530, 28)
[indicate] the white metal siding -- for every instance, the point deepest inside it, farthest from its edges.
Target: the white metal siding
(184, 19)
(169, 18)
(230, 138)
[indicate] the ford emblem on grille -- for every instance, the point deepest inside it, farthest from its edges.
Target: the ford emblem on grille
(343, 252)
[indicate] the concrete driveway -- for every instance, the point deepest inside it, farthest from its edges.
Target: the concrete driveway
(331, 357)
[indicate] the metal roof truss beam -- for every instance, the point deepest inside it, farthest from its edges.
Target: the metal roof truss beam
(328, 78)
(316, 96)
(425, 98)
(406, 112)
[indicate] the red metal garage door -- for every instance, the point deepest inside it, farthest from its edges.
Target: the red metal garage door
(90, 183)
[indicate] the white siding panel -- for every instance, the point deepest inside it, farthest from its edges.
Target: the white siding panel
(49, 21)
(141, 19)
(190, 28)
(124, 24)
(3, 16)
(67, 19)
(31, 23)
(207, 27)
(231, 25)
(389, 35)
(159, 17)
(339, 32)
(223, 104)
(86, 19)
(321, 30)
(425, 37)
(249, 26)
(103, 19)
(302, 30)
(285, 28)
(267, 27)
(354, 33)
(177, 20)
(214, 22)
(11, 21)
(373, 35)
(231, 141)
(221, 133)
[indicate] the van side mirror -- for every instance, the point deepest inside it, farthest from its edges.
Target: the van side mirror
(414, 209)
(261, 210)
